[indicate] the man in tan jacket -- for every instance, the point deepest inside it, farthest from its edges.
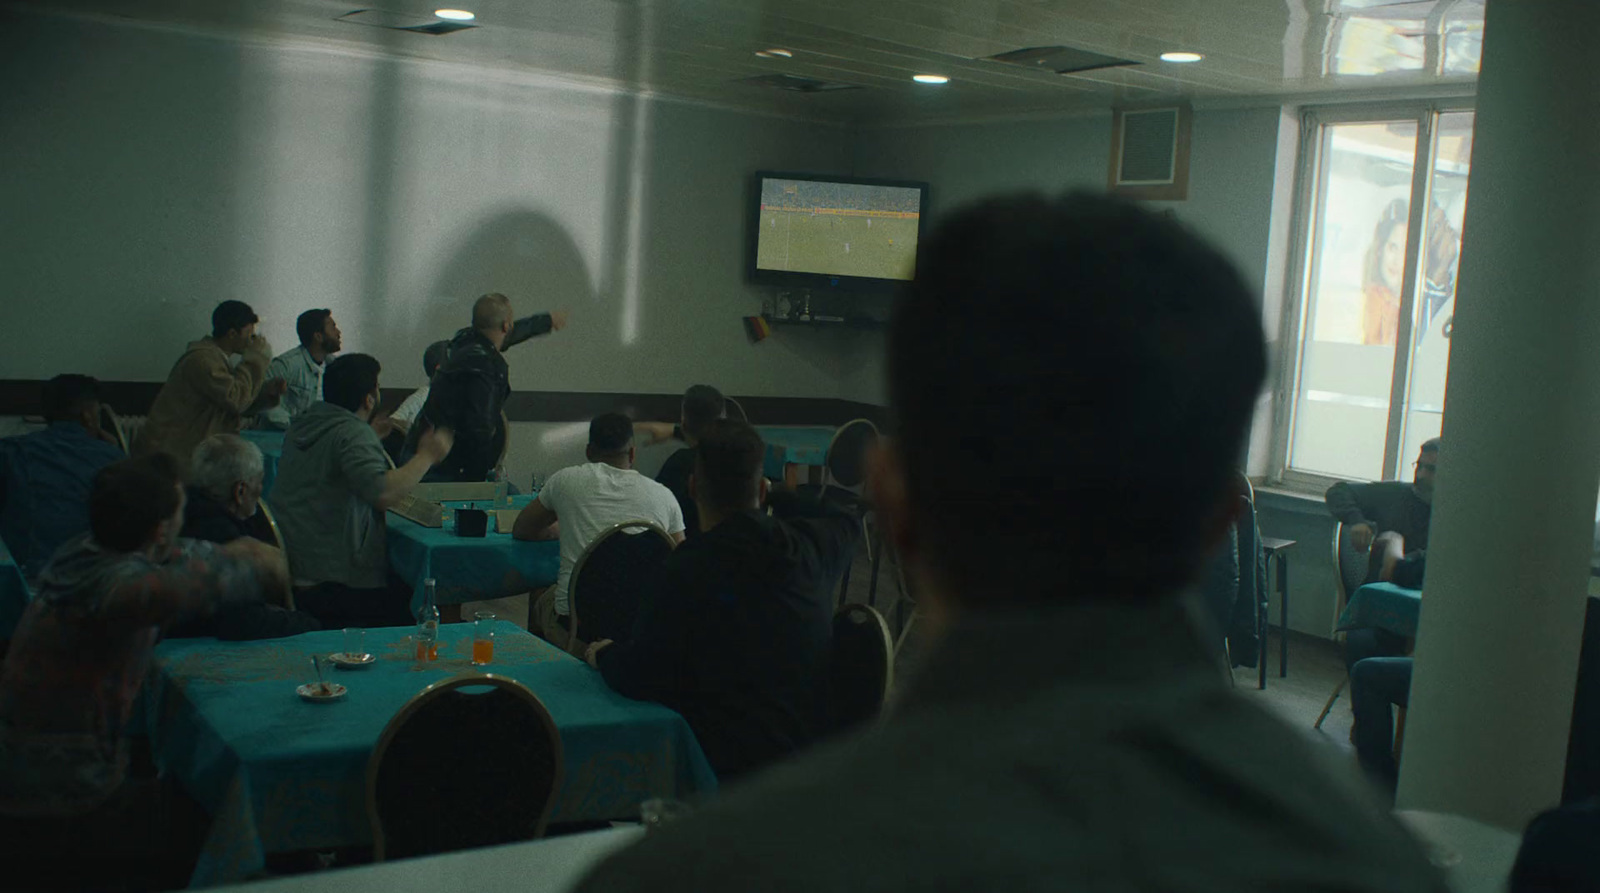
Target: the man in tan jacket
(203, 394)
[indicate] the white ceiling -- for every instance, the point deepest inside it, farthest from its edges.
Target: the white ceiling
(703, 49)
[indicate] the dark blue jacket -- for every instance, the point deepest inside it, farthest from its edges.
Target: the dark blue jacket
(44, 489)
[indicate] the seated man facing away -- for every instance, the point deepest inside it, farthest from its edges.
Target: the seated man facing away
(45, 476)
(736, 637)
(470, 389)
(82, 647)
(1389, 518)
(1377, 686)
(411, 407)
(204, 395)
(587, 499)
(1068, 729)
(334, 484)
(301, 367)
(224, 494)
(702, 405)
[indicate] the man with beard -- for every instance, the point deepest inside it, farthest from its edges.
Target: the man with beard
(1389, 518)
(302, 367)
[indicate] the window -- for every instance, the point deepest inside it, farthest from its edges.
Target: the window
(1382, 195)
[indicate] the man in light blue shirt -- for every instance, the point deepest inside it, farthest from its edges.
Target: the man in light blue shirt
(302, 367)
(45, 476)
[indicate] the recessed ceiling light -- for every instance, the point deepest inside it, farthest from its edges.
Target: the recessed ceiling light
(454, 15)
(1181, 57)
(930, 79)
(775, 53)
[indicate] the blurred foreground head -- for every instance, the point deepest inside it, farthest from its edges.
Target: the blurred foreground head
(1072, 382)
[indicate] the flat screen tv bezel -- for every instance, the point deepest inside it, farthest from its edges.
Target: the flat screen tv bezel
(799, 279)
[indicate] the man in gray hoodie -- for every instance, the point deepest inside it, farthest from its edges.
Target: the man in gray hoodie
(334, 484)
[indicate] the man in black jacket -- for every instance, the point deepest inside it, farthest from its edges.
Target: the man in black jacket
(469, 391)
(737, 636)
(702, 404)
(224, 495)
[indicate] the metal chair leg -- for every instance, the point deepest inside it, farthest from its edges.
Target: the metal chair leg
(1331, 698)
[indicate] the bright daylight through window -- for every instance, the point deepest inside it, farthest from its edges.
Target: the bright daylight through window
(1382, 200)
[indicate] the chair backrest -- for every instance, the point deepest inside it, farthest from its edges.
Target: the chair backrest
(110, 423)
(860, 666)
(264, 526)
(733, 410)
(1350, 564)
(846, 460)
(456, 769)
(610, 578)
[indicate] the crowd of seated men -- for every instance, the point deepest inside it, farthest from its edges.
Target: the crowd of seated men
(1068, 722)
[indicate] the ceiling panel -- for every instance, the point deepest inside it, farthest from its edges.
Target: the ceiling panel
(704, 49)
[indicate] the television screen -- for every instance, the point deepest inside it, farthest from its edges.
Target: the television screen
(827, 231)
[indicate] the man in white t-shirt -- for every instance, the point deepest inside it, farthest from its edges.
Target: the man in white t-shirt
(587, 500)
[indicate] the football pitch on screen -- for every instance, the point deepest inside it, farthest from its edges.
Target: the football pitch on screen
(837, 244)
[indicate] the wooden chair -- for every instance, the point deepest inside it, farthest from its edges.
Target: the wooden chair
(860, 667)
(112, 423)
(504, 759)
(1352, 569)
(264, 526)
(610, 578)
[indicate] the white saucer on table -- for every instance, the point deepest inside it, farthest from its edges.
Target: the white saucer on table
(351, 662)
(320, 692)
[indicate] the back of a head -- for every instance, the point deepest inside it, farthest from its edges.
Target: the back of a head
(1431, 445)
(231, 315)
(64, 397)
(222, 460)
(128, 499)
(349, 379)
(702, 404)
(610, 435)
(1077, 377)
(434, 357)
(310, 324)
(490, 312)
(728, 458)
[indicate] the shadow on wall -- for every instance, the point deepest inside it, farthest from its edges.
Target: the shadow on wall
(525, 255)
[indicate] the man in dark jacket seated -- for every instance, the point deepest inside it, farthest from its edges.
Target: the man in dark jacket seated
(737, 636)
(224, 495)
(469, 391)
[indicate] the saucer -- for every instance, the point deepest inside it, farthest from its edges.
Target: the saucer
(311, 691)
(351, 662)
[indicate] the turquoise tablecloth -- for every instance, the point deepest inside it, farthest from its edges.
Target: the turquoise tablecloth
(1383, 606)
(469, 569)
(271, 444)
(794, 446)
(13, 592)
(279, 774)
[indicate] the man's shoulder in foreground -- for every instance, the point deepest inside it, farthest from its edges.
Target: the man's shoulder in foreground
(1101, 784)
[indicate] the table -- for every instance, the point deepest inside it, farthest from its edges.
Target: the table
(13, 592)
(790, 448)
(1475, 857)
(278, 774)
(469, 569)
(1276, 549)
(1383, 606)
(552, 865)
(271, 445)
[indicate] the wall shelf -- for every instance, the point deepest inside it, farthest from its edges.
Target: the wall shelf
(859, 322)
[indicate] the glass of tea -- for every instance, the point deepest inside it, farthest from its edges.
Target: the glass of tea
(482, 638)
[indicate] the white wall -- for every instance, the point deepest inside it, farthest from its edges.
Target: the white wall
(148, 174)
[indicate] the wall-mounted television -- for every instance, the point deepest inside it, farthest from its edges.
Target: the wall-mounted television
(818, 231)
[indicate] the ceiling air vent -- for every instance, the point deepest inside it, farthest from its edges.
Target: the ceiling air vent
(1061, 60)
(797, 84)
(400, 21)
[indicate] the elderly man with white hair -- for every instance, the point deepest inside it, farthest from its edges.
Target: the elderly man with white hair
(224, 493)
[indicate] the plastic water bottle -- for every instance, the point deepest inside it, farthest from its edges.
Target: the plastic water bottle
(428, 623)
(502, 487)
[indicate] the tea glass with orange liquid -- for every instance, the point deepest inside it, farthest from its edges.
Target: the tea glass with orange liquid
(482, 638)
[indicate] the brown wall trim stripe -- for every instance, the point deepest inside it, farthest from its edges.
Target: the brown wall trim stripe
(20, 396)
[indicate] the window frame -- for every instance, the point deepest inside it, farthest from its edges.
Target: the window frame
(1303, 232)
